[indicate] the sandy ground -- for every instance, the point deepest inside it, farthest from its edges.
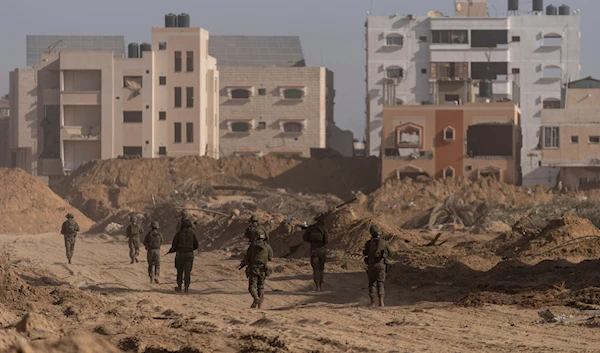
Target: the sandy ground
(215, 316)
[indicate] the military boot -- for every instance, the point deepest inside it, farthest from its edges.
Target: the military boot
(255, 303)
(372, 301)
(136, 259)
(69, 261)
(156, 280)
(186, 289)
(151, 279)
(178, 288)
(380, 302)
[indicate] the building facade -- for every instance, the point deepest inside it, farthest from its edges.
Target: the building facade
(413, 60)
(444, 141)
(84, 105)
(570, 136)
(4, 132)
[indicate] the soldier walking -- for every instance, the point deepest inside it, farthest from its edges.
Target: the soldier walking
(254, 230)
(69, 231)
(257, 257)
(376, 253)
(318, 238)
(133, 234)
(184, 244)
(152, 242)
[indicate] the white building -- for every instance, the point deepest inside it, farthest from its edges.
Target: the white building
(527, 58)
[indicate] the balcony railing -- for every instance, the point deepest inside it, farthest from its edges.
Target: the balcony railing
(80, 132)
(394, 154)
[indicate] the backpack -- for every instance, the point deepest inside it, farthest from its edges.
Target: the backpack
(134, 229)
(259, 253)
(375, 250)
(154, 241)
(316, 234)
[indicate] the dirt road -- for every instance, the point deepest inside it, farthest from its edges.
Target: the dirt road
(114, 299)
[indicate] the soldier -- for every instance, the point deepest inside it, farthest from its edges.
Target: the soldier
(133, 234)
(69, 230)
(318, 238)
(184, 244)
(254, 230)
(376, 252)
(257, 257)
(184, 215)
(152, 243)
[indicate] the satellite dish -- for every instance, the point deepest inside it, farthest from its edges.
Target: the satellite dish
(435, 13)
(458, 7)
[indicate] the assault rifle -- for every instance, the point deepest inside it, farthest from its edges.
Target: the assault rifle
(242, 265)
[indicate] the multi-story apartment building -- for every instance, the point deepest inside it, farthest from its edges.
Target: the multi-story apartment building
(525, 58)
(83, 105)
(444, 141)
(570, 136)
(4, 134)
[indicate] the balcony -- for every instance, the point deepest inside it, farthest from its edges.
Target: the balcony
(395, 154)
(80, 97)
(79, 133)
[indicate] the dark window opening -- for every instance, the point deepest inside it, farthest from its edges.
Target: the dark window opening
(262, 125)
(485, 70)
(189, 132)
(450, 37)
(551, 104)
(177, 61)
(423, 71)
(394, 40)
(468, 168)
(262, 92)
(162, 45)
(132, 151)
(594, 139)
(516, 39)
(396, 72)
(423, 39)
(488, 38)
(449, 134)
(448, 172)
(292, 127)
(293, 94)
(490, 140)
(189, 62)
(162, 80)
(452, 98)
(574, 139)
(449, 70)
(162, 115)
(516, 70)
(240, 94)
(132, 82)
(189, 97)
(177, 97)
(240, 127)
(132, 116)
(162, 151)
(177, 132)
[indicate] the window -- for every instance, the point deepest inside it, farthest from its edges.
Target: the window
(587, 180)
(240, 127)
(240, 94)
(516, 70)
(162, 45)
(574, 139)
(189, 95)
(488, 70)
(594, 139)
(408, 136)
(552, 72)
(177, 132)
(451, 98)
(449, 133)
(468, 168)
(162, 151)
(189, 62)
(189, 132)
(293, 94)
(162, 115)
(552, 40)
(162, 80)
(262, 125)
(450, 37)
(423, 39)
(177, 61)
(448, 172)
(516, 39)
(396, 72)
(551, 103)
(132, 151)
(551, 137)
(292, 127)
(487, 38)
(132, 82)
(394, 40)
(262, 92)
(132, 117)
(177, 97)
(423, 71)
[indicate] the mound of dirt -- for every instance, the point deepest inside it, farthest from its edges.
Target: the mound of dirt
(100, 188)
(79, 343)
(30, 207)
(14, 291)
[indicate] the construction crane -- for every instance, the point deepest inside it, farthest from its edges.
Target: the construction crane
(52, 46)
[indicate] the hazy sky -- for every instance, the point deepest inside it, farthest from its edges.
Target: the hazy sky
(331, 31)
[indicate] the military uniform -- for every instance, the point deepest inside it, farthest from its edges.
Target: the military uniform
(184, 244)
(69, 231)
(257, 257)
(376, 252)
(318, 238)
(152, 243)
(254, 231)
(133, 234)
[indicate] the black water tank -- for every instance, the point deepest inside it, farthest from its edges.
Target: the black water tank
(183, 20)
(485, 89)
(551, 10)
(145, 47)
(538, 6)
(133, 50)
(171, 20)
(564, 10)
(513, 5)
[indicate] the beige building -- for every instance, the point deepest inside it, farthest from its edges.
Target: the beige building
(445, 141)
(4, 132)
(275, 110)
(80, 106)
(570, 135)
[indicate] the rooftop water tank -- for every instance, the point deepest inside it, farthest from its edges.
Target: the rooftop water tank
(513, 5)
(551, 10)
(538, 6)
(564, 10)
(145, 47)
(183, 20)
(485, 89)
(171, 20)
(133, 50)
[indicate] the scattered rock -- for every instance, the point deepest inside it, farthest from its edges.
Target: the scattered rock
(36, 326)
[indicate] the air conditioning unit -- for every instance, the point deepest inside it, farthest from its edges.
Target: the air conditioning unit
(410, 17)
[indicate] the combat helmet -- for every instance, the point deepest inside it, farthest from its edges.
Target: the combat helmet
(186, 223)
(375, 230)
(154, 225)
(70, 215)
(254, 219)
(320, 217)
